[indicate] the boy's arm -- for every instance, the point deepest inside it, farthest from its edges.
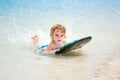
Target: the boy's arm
(49, 49)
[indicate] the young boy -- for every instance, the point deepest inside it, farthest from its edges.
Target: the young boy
(58, 35)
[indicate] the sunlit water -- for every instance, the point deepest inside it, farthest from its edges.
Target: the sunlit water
(97, 60)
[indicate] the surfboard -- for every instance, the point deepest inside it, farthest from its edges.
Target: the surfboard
(76, 44)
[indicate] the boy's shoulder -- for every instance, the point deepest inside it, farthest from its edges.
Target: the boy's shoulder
(51, 44)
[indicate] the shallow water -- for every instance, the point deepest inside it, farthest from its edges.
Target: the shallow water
(97, 60)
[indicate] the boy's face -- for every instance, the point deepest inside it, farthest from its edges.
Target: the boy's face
(58, 36)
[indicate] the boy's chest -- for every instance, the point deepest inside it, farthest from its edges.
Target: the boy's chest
(54, 47)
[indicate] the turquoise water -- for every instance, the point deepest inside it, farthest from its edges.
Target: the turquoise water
(20, 20)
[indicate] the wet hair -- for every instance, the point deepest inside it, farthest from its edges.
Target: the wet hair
(59, 27)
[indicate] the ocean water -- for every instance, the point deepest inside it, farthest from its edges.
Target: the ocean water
(20, 20)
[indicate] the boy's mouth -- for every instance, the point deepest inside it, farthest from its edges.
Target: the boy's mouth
(58, 40)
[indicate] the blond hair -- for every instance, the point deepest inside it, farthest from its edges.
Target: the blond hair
(59, 27)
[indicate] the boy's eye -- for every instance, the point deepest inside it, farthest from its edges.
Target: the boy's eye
(56, 35)
(61, 35)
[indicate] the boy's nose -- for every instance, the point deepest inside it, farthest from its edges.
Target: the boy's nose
(58, 37)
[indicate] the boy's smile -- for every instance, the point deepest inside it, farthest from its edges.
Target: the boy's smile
(59, 40)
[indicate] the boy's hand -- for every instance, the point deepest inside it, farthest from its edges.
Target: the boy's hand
(52, 52)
